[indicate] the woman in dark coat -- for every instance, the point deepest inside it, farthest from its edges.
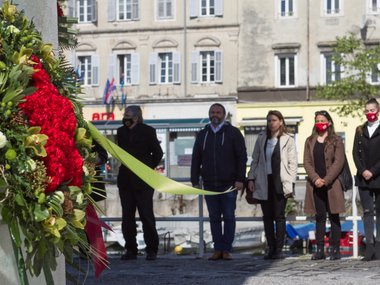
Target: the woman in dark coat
(367, 161)
(323, 162)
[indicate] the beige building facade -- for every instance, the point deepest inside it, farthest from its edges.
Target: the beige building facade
(285, 52)
(158, 49)
(173, 58)
(176, 57)
(285, 46)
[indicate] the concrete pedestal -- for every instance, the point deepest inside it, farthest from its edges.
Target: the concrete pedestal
(8, 268)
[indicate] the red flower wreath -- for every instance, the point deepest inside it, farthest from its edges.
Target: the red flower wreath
(55, 115)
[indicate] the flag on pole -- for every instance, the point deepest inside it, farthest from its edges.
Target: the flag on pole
(108, 91)
(123, 95)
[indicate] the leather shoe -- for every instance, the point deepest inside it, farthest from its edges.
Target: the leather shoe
(335, 254)
(270, 253)
(278, 255)
(128, 256)
(227, 255)
(319, 255)
(217, 255)
(370, 253)
(151, 256)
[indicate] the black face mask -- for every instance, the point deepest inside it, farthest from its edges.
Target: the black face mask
(127, 122)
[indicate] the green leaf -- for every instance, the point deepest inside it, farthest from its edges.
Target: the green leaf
(40, 214)
(6, 215)
(20, 200)
(3, 185)
(15, 232)
(37, 264)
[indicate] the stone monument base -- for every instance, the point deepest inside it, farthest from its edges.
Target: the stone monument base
(8, 267)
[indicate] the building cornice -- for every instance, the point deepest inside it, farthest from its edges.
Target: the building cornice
(123, 30)
(232, 99)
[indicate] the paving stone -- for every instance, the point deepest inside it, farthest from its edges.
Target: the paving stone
(243, 270)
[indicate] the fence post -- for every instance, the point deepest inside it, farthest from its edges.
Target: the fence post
(200, 221)
(355, 249)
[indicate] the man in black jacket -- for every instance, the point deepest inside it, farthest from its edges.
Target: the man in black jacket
(140, 141)
(219, 158)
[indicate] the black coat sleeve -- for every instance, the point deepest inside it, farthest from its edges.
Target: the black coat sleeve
(155, 149)
(241, 156)
(196, 161)
(356, 154)
(101, 153)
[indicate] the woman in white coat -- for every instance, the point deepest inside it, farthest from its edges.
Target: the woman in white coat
(271, 179)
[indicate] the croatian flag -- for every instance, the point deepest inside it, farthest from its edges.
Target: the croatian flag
(108, 91)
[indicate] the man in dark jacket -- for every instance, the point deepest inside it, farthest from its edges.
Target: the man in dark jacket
(98, 187)
(141, 141)
(219, 158)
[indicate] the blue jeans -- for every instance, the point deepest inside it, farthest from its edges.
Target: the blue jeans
(219, 206)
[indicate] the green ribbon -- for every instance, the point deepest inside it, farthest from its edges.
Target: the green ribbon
(155, 180)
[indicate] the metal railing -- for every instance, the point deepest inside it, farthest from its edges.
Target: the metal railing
(201, 219)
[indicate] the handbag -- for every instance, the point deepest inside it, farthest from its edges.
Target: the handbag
(249, 197)
(345, 177)
(250, 200)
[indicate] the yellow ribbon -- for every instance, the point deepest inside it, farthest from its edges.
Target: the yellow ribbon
(149, 176)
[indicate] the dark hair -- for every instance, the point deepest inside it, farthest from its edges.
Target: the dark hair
(283, 129)
(219, 105)
(136, 112)
(330, 130)
(360, 128)
(372, 101)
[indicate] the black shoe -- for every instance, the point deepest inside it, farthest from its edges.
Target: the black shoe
(151, 256)
(270, 254)
(335, 254)
(278, 255)
(377, 250)
(369, 252)
(319, 255)
(128, 256)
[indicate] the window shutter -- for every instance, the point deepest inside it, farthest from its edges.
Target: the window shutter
(219, 66)
(112, 68)
(111, 10)
(135, 65)
(160, 9)
(169, 9)
(194, 8)
(95, 69)
(176, 68)
(94, 11)
(219, 8)
(194, 67)
(135, 10)
(153, 68)
(71, 5)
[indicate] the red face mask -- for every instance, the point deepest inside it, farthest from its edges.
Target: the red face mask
(371, 117)
(321, 127)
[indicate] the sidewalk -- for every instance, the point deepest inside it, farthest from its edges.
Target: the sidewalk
(245, 269)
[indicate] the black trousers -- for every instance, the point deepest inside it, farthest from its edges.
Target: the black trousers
(322, 208)
(274, 217)
(138, 195)
(370, 209)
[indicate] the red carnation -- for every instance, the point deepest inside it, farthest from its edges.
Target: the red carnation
(54, 113)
